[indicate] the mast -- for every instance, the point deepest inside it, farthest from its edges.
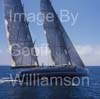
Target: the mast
(56, 33)
(20, 41)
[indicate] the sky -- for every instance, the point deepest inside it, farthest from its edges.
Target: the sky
(85, 33)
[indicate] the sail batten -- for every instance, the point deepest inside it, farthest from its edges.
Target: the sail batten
(19, 36)
(56, 33)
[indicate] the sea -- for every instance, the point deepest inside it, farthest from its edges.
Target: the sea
(90, 91)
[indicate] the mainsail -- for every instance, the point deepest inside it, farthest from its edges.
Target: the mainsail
(62, 49)
(18, 34)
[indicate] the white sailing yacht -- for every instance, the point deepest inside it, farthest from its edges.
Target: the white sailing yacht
(64, 55)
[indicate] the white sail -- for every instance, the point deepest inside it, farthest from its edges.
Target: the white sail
(18, 34)
(58, 39)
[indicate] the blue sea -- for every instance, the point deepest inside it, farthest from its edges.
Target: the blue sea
(91, 91)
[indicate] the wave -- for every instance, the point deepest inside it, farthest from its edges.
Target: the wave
(6, 80)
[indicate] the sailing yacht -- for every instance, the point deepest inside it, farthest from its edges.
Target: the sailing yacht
(66, 60)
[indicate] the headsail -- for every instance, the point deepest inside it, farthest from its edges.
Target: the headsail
(18, 34)
(62, 49)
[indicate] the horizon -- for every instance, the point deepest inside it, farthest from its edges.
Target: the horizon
(45, 65)
(84, 34)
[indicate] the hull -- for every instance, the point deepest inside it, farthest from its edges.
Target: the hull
(53, 72)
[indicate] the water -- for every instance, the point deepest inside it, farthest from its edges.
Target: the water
(7, 91)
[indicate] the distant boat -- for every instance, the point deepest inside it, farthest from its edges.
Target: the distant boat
(66, 60)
